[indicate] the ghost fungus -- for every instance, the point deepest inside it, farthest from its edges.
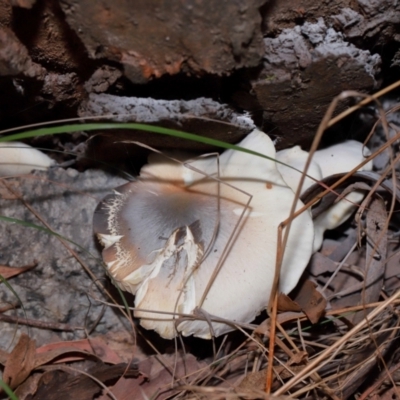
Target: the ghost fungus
(166, 233)
(339, 158)
(342, 157)
(296, 157)
(19, 158)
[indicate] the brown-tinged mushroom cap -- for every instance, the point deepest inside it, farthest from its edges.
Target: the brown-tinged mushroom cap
(166, 234)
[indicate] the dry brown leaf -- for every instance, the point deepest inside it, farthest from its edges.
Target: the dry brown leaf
(298, 358)
(264, 328)
(9, 272)
(389, 394)
(61, 355)
(253, 381)
(310, 301)
(104, 352)
(376, 252)
(290, 316)
(320, 264)
(20, 362)
(362, 280)
(393, 261)
(285, 303)
(56, 384)
(63, 352)
(125, 387)
(124, 345)
(158, 379)
(28, 387)
(3, 357)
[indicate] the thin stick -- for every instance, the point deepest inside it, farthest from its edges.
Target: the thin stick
(324, 356)
(270, 371)
(39, 324)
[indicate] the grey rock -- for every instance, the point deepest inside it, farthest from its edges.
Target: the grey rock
(58, 289)
(304, 69)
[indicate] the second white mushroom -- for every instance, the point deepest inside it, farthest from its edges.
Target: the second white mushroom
(339, 158)
(19, 158)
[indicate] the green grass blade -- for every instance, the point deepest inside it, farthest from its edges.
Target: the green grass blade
(55, 130)
(8, 390)
(5, 281)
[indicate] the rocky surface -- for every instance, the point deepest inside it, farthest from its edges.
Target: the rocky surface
(298, 63)
(281, 61)
(205, 67)
(57, 290)
(151, 39)
(201, 116)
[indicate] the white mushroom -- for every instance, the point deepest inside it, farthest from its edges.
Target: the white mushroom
(335, 216)
(296, 157)
(342, 157)
(19, 158)
(339, 158)
(166, 233)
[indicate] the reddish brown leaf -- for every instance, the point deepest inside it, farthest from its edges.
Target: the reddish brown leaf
(103, 351)
(123, 344)
(64, 351)
(61, 355)
(20, 362)
(9, 272)
(263, 328)
(290, 316)
(285, 303)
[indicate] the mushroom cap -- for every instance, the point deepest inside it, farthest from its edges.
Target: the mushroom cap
(339, 158)
(297, 158)
(19, 158)
(334, 216)
(342, 157)
(167, 232)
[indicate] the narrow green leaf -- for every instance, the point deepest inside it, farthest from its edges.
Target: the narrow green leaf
(132, 126)
(55, 130)
(8, 390)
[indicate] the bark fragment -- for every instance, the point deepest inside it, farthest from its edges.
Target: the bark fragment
(152, 39)
(304, 68)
